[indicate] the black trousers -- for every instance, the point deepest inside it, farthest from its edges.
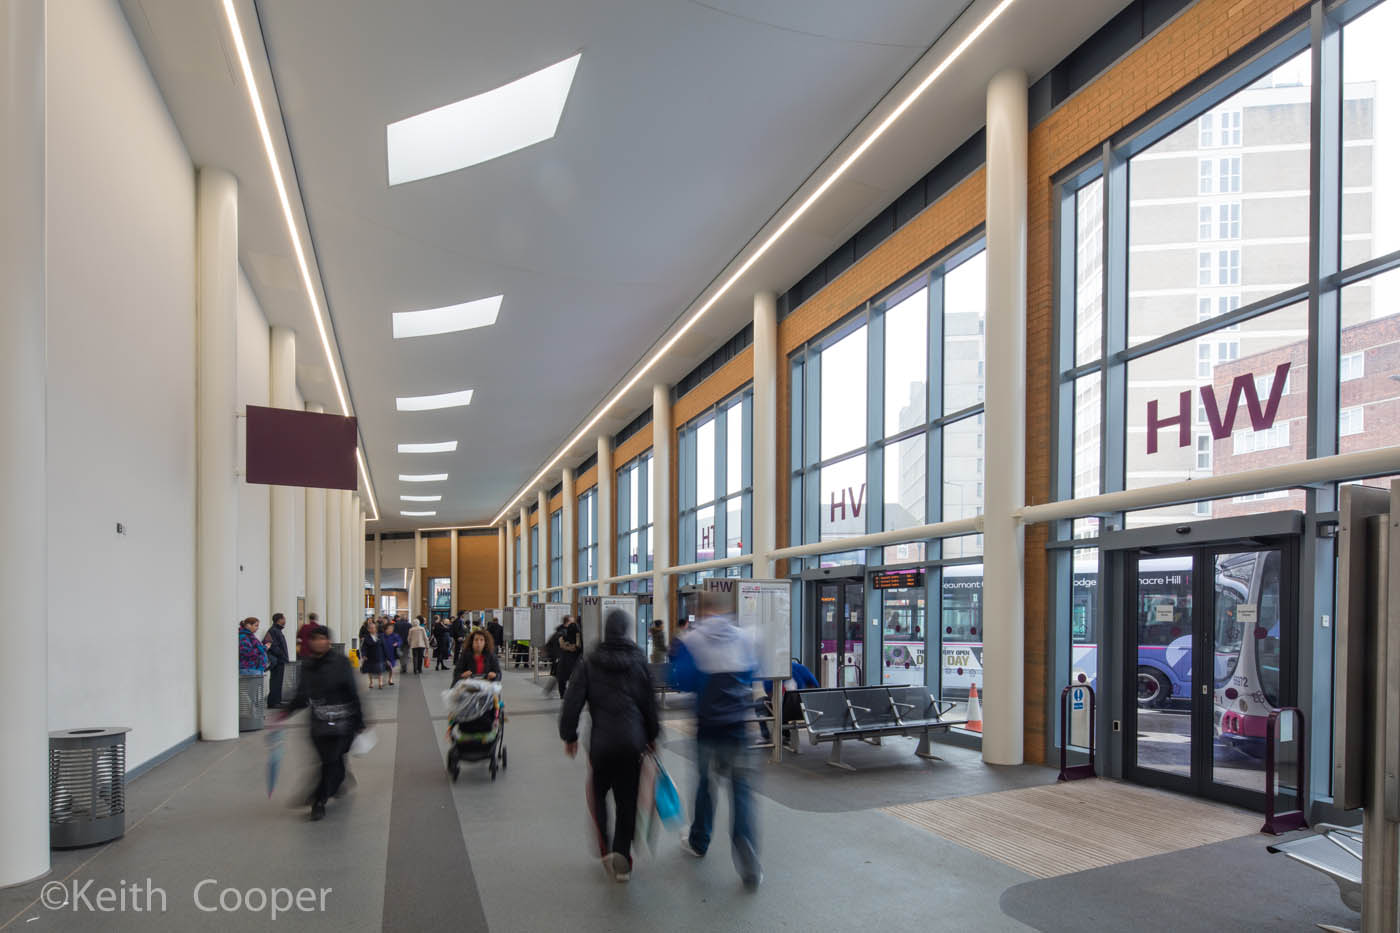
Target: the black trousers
(274, 686)
(331, 749)
(620, 774)
(563, 670)
(418, 660)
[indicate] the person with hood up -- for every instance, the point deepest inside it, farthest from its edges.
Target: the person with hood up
(615, 683)
(715, 661)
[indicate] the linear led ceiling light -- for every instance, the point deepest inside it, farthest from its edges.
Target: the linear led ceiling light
(317, 314)
(767, 244)
(420, 498)
(442, 447)
(478, 129)
(418, 514)
(422, 477)
(433, 402)
(449, 320)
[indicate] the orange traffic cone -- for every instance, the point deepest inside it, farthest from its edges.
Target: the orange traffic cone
(974, 711)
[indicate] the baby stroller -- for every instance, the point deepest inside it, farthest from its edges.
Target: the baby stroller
(475, 730)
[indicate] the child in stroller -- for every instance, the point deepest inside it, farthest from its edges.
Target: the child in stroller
(475, 726)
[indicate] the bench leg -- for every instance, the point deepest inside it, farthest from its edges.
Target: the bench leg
(924, 749)
(835, 759)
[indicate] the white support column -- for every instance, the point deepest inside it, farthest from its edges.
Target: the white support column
(607, 518)
(24, 806)
(452, 574)
(765, 432)
(501, 566)
(570, 533)
(510, 562)
(316, 546)
(525, 552)
(335, 592)
(662, 436)
(361, 563)
(282, 390)
(415, 585)
(350, 526)
(216, 541)
(1003, 586)
(543, 549)
(378, 572)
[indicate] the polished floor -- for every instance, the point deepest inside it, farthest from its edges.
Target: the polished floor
(410, 850)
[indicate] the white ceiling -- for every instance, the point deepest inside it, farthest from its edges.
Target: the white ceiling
(688, 128)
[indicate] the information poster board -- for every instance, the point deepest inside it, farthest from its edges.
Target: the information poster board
(551, 619)
(627, 605)
(520, 624)
(765, 610)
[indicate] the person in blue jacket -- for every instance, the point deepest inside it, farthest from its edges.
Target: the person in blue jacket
(801, 679)
(715, 661)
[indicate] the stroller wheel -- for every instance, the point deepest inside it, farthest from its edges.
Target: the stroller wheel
(503, 756)
(493, 771)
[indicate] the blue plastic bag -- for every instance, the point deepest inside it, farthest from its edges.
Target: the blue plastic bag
(668, 799)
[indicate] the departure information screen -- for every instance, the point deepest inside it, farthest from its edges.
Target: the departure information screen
(896, 579)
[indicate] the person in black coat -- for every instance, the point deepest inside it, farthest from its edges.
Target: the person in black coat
(615, 683)
(401, 628)
(276, 644)
(498, 635)
(477, 658)
(442, 644)
(327, 686)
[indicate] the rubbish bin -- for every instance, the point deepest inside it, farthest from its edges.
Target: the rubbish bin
(291, 671)
(87, 786)
(252, 702)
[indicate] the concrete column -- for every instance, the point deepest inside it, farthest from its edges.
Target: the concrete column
(349, 526)
(378, 571)
(525, 553)
(607, 518)
(414, 602)
(452, 574)
(360, 562)
(420, 594)
(24, 806)
(765, 432)
(543, 549)
(316, 545)
(510, 562)
(282, 390)
(335, 591)
(570, 533)
(216, 541)
(501, 566)
(662, 443)
(1005, 472)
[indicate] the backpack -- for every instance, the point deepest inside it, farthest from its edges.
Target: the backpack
(551, 647)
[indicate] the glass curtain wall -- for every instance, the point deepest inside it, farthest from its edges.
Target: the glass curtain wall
(1229, 300)
(634, 528)
(588, 541)
(556, 554)
(716, 485)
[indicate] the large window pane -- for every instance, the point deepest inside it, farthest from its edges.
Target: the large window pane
(843, 500)
(1218, 210)
(906, 363)
(1370, 135)
(906, 469)
(1369, 368)
(960, 631)
(734, 443)
(734, 527)
(1237, 417)
(1088, 273)
(705, 534)
(963, 451)
(964, 322)
(1088, 446)
(705, 462)
(1083, 618)
(843, 367)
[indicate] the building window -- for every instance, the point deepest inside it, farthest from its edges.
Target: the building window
(535, 557)
(1203, 451)
(588, 536)
(1248, 442)
(556, 547)
(1353, 366)
(716, 487)
(634, 516)
(1351, 421)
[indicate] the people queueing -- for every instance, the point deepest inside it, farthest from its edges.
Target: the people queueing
(275, 643)
(715, 660)
(252, 658)
(372, 656)
(477, 658)
(570, 651)
(418, 644)
(326, 685)
(393, 647)
(313, 621)
(442, 644)
(615, 684)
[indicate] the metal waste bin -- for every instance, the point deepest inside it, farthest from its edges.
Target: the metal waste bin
(252, 702)
(87, 786)
(291, 673)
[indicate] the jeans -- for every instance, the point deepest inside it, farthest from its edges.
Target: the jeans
(620, 774)
(727, 756)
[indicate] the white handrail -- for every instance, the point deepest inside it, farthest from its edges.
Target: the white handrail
(718, 564)
(962, 526)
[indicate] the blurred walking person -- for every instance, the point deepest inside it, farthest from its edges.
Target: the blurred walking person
(615, 684)
(715, 661)
(418, 643)
(326, 685)
(570, 651)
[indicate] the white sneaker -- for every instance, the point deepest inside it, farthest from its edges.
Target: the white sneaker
(687, 847)
(617, 868)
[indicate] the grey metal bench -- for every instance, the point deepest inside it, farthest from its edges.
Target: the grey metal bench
(836, 714)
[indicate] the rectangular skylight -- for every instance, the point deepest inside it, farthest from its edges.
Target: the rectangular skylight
(466, 316)
(422, 477)
(442, 447)
(475, 130)
(432, 402)
(417, 514)
(420, 498)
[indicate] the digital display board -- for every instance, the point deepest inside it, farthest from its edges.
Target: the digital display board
(896, 579)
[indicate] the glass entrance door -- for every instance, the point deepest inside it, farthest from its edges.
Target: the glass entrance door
(840, 631)
(904, 624)
(1211, 639)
